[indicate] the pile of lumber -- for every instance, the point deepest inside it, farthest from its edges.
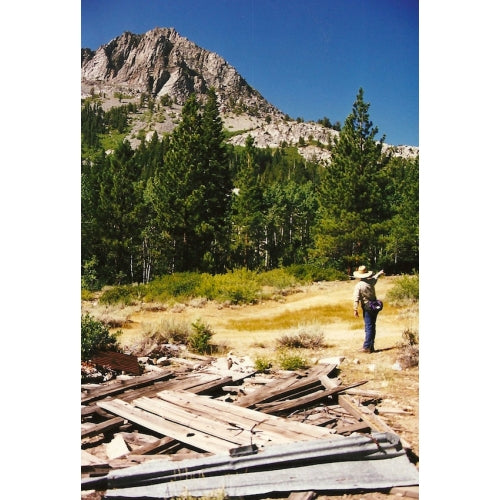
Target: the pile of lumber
(202, 417)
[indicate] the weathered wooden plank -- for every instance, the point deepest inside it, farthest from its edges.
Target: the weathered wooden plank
(344, 429)
(347, 404)
(329, 383)
(159, 445)
(277, 428)
(301, 402)
(281, 389)
(196, 383)
(365, 414)
(365, 393)
(117, 447)
(117, 388)
(105, 426)
(210, 386)
(189, 381)
(146, 391)
(197, 423)
(89, 410)
(216, 423)
(158, 424)
(88, 460)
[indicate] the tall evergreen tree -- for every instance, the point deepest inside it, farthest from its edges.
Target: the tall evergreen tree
(92, 124)
(248, 206)
(118, 226)
(90, 236)
(190, 191)
(217, 180)
(353, 208)
(175, 191)
(402, 242)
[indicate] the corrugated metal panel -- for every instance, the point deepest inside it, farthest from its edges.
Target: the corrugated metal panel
(342, 476)
(118, 361)
(355, 462)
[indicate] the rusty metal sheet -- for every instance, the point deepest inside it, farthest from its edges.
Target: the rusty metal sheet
(118, 361)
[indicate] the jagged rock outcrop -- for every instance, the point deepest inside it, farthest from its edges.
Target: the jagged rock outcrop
(161, 63)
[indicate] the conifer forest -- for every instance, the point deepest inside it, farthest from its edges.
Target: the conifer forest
(191, 202)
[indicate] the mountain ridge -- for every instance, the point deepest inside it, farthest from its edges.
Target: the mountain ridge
(169, 67)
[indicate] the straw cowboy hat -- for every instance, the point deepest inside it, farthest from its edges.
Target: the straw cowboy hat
(362, 272)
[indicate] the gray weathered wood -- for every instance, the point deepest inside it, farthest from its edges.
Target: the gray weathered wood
(292, 404)
(117, 388)
(276, 428)
(158, 424)
(106, 426)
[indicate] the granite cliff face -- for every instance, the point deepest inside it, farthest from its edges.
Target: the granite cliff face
(162, 62)
(168, 67)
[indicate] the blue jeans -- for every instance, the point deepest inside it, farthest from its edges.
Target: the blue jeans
(370, 319)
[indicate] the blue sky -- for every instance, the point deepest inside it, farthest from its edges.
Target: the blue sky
(308, 58)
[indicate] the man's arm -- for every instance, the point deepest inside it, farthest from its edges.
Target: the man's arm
(356, 300)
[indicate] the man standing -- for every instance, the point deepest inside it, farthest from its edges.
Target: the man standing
(364, 294)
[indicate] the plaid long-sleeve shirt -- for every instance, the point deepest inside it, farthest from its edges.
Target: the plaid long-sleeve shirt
(364, 291)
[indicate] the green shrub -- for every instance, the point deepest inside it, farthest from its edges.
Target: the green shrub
(89, 279)
(277, 278)
(289, 360)
(177, 285)
(168, 331)
(237, 287)
(262, 364)
(406, 288)
(95, 336)
(302, 340)
(199, 339)
(308, 273)
(119, 294)
(86, 294)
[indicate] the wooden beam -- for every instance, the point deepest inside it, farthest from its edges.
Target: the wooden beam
(117, 388)
(103, 427)
(193, 422)
(158, 424)
(156, 447)
(305, 400)
(276, 428)
(298, 383)
(363, 413)
(349, 429)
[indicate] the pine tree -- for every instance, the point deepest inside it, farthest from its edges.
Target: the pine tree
(174, 191)
(117, 205)
(353, 209)
(402, 242)
(248, 205)
(217, 179)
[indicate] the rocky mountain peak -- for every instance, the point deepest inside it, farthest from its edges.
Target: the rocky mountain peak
(162, 62)
(168, 67)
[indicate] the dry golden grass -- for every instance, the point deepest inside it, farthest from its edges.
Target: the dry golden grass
(313, 315)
